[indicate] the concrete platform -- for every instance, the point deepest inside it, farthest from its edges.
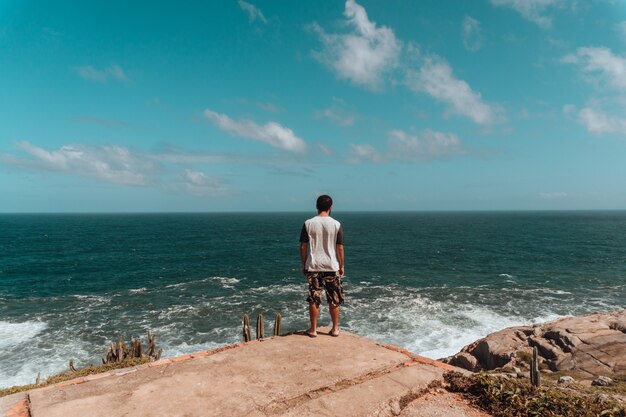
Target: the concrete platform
(285, 376)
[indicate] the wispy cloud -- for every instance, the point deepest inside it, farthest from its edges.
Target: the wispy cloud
(532, 10)
(403, 146)
(337, 114)
(254, 13)
(471, 34)
(597, 121)
(184, 157)
(90, 73)
(365, 153)
(435, 78)
(271, 133)
(362, 55)
(601, 65)
(115, 164)
(270, 107)
(200, 184)
(326, 150)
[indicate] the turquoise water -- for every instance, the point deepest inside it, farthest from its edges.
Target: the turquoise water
(431, 282)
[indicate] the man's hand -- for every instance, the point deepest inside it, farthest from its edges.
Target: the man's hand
(341, 258)
(304, 269)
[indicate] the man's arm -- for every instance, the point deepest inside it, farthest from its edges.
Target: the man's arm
(341, 259)
(303, 248)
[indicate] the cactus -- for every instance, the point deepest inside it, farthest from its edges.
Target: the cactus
(277, 323)
(246, 328)
(119, 351)
(152, 350)
(535, 377)
(260, 327)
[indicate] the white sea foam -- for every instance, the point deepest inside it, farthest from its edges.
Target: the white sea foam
(433, 327)
(137, 290)
(23, 354)
(225, 282)
(96, 299)
(15, 334)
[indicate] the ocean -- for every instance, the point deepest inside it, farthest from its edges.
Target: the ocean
(430, 282)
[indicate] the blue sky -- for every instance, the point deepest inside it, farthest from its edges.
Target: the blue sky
(263, 105)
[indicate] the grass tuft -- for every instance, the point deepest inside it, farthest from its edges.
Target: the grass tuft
(66, 376)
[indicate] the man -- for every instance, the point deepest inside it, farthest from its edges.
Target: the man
(321, 251)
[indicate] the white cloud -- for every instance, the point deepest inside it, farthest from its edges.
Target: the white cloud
(365, 54)
(92, 74)
(599, 122)
(198, 183)
(435, 78)
(271, 133)
(115, 164)
(254, 13)
(403, 146)
(600, 63)
(533, 10)
(428, 145)
(470, 30)
(365, 153)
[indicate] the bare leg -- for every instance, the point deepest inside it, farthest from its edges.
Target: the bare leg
(334, 315)
(314, 312)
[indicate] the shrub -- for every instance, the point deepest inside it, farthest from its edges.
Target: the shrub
(504, 397)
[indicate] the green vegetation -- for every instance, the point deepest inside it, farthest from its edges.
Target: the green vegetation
(508, 397)
(66, 376)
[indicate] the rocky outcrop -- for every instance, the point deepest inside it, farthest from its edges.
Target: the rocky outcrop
(594, 344)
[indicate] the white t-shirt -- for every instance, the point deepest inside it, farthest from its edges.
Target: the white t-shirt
(323, 234)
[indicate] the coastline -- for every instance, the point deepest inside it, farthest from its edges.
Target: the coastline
(278, 367)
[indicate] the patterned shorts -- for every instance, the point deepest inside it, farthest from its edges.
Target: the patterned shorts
(330, 282)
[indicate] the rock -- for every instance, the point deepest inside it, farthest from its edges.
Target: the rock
(602, 381)
(464, 360)
(594, 344)
(546, 349)
(521, 335)
(517, 370)
(566, 379)
(496, 350)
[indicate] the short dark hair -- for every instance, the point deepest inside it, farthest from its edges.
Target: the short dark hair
(324, 203)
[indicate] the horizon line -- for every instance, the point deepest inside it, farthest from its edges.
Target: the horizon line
(313, 210)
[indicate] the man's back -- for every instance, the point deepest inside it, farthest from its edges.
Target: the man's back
(323, 234)
(322, 255)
